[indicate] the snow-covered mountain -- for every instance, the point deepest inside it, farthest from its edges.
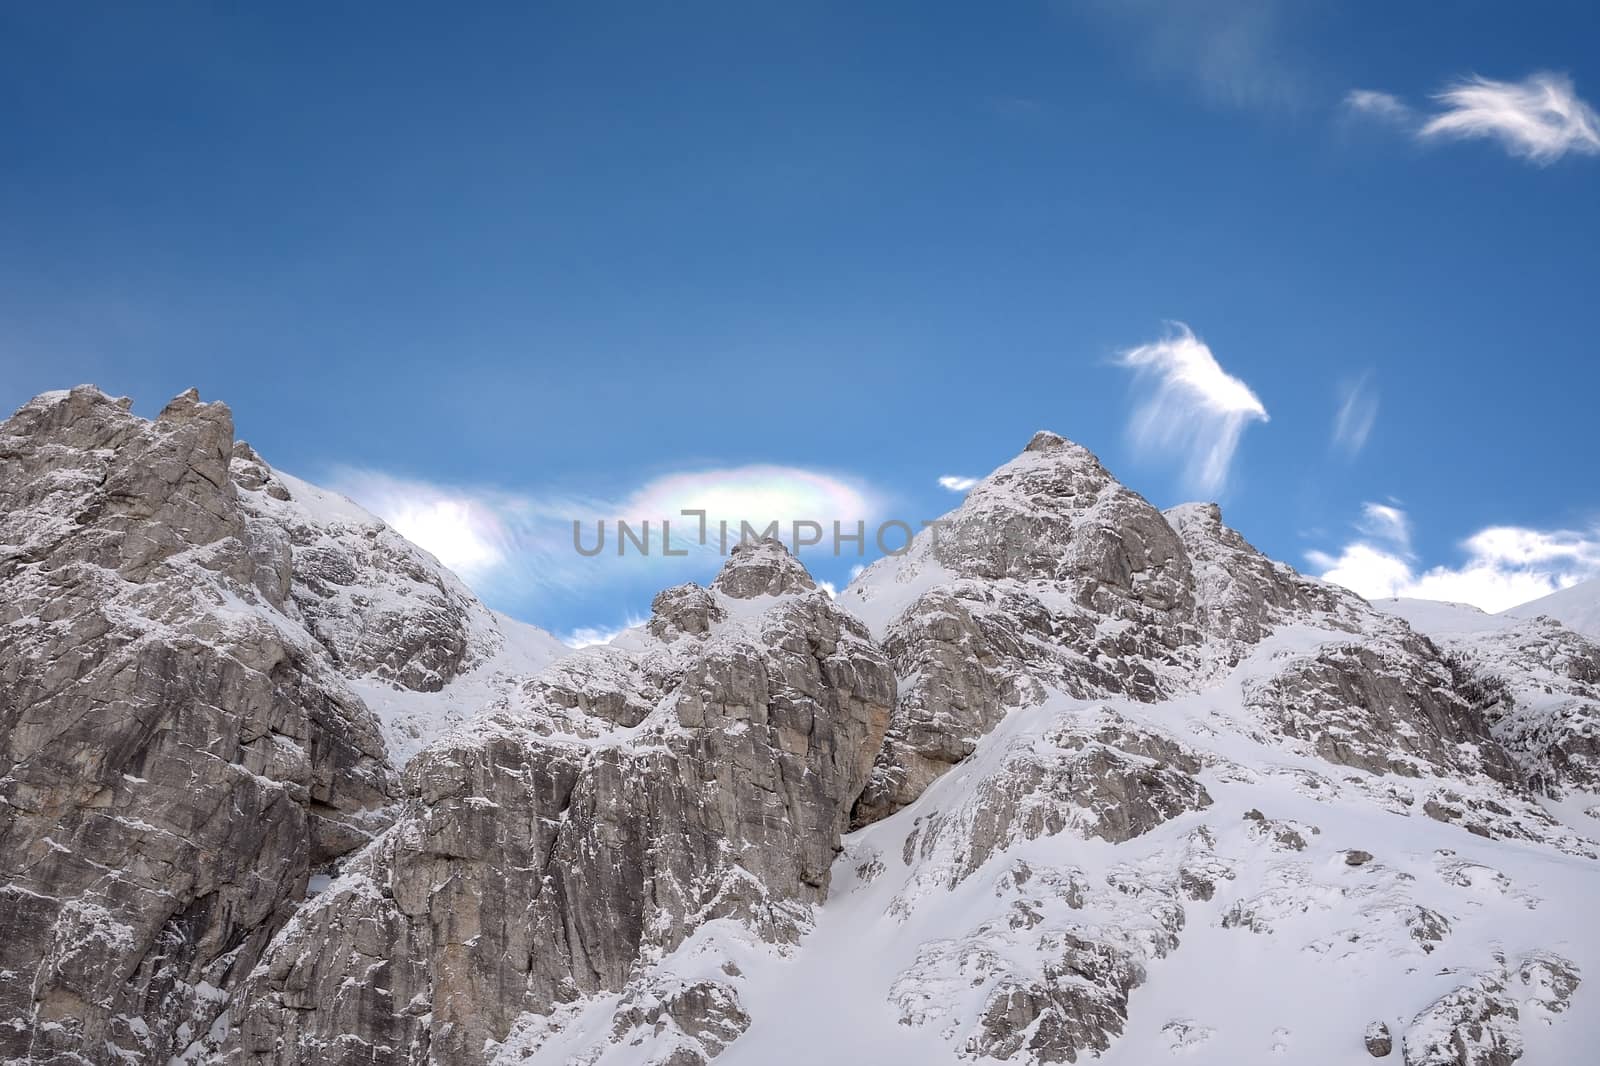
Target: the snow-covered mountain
(1072, 778)
(1577, 607)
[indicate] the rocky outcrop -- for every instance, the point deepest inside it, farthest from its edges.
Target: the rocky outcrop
(177, 753)
(1240, 594)
(1480, 1022)
(1092, 774)
(1051, 575)
(1538, 685)
(1378, 1040)
(640, 792)
(1384, 704)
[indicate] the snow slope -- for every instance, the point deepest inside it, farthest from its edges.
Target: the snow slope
(1576, 607)
(1292, 956)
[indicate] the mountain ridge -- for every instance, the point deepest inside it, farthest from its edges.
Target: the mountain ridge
(1016, 795)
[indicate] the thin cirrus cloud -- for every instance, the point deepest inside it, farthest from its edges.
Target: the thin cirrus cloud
(1190, 406)
(1235, 53)
(512, 546)
(1355, 416)
(1540, 119)
(1504, 565)
(952, 483)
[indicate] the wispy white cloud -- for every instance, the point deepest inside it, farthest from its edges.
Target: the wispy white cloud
(1503, 567)
(1379, 105)
(1357, 414)
(1540, 118)
(957, 484)
(1191, 406)
(1386, 523)
(515, 544)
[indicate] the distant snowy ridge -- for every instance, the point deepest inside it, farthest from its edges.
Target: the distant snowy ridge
(1576, 607)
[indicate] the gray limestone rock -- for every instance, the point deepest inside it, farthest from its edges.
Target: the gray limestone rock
(714, 781)
(176, 752)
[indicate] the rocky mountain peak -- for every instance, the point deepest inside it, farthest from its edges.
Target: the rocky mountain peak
(762, 567)
(1044, 440)
(1055, 513)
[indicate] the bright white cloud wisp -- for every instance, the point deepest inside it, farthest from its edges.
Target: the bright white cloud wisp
(1505, 565)
(1387, 523)
(1192, 407)
(957, 484)
(1540, 118)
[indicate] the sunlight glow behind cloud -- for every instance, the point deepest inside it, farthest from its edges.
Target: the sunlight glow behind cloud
(1193, 407)
(514, 544)
(462, 530)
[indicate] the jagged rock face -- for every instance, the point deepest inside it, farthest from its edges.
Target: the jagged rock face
(1080, 1006)
(175, 752)
(1052, 575)
(1240, 594)
(1480, 1022)
(1055, 514)
(1538, 684)
(1093, 774)
(692, 1021)
(376, 602)
(644, 790)
(1381, 705)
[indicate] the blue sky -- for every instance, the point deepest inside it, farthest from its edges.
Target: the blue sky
(484, 271)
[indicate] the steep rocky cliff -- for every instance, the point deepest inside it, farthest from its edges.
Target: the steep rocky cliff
(1073, 777)
(182, 739)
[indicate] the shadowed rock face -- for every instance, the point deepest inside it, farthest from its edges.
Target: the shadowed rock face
(1382, 708)
(714, 781)
(175, 753)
